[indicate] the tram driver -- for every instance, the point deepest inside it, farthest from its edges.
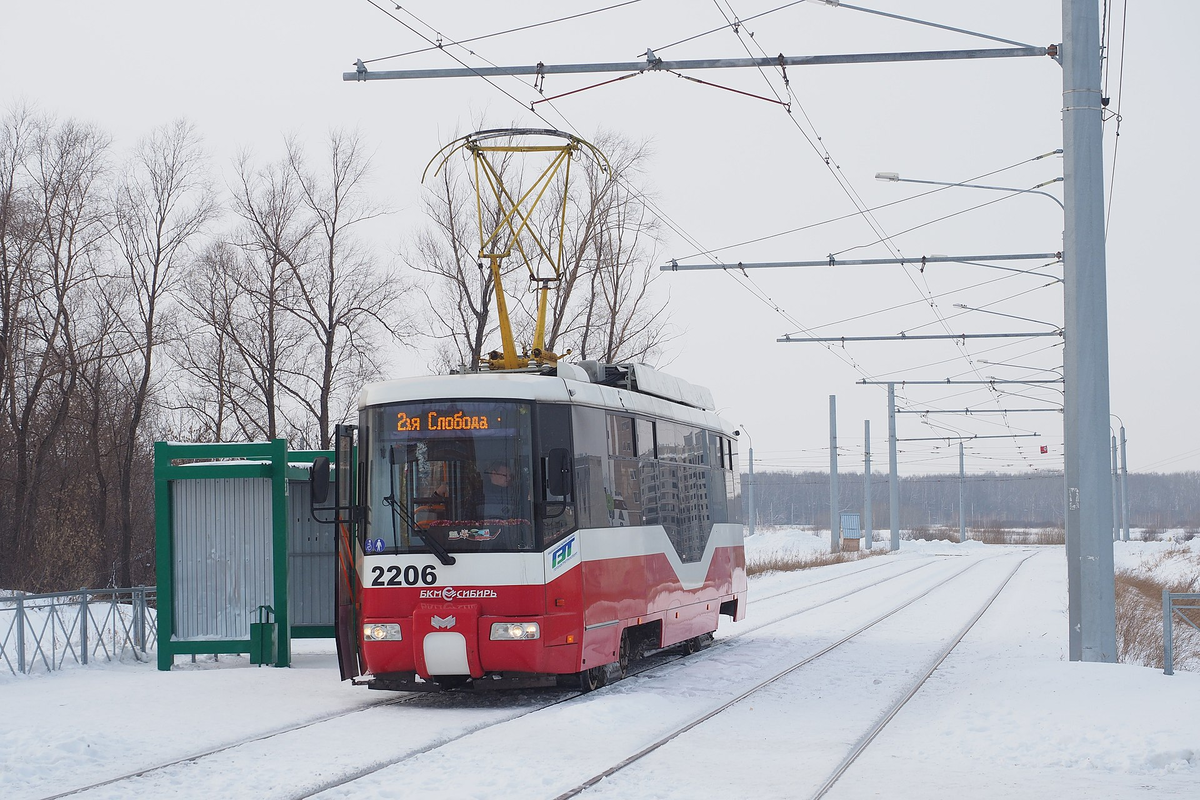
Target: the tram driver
(499, 492)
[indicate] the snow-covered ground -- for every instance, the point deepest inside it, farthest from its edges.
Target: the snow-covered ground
(1004, 714)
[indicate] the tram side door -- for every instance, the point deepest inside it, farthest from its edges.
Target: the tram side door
(346, 594)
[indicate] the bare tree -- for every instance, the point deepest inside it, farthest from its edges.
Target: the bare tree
(242, 342)
(52, 228)
(301, 224)
(206, 353)
(621, 321)
(460, 296)
(269, 342)
(603, 305)
(98, 426)
(163, 202)
(343, 295)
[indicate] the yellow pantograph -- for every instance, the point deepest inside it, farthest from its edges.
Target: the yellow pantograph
(496, 242)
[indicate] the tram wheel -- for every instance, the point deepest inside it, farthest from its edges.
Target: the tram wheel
(592, 679)
(623, 656)
(691, 645)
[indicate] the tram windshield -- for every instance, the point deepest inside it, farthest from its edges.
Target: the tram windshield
(454, 472)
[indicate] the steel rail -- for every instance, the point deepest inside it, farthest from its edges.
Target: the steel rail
(761, 598)
(862, 743)
(373, 767)
(823, 603)
(658, 664)
(239, 743)
(657, 744)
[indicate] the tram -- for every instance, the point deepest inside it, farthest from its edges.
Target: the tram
(530, 528)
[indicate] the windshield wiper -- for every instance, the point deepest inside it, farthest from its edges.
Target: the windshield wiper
(399, 510)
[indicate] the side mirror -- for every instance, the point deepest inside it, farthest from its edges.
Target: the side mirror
(318, 480)
(558, 472)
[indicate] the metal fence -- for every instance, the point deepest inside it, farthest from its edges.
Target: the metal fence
(1176, 603)
(48, 631)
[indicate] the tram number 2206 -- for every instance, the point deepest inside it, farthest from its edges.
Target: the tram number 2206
(406, 576)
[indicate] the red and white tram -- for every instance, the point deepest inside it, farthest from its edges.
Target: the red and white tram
(532, 528)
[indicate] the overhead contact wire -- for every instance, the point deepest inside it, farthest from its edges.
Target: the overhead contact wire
(848, 188)
(461, 42)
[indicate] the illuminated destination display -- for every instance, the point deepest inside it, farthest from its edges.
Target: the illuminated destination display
(455, 419)
(442, 421)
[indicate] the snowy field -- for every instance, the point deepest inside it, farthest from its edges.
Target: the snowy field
(1005, 713)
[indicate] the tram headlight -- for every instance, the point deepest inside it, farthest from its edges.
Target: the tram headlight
(381, 631)
(510, 631)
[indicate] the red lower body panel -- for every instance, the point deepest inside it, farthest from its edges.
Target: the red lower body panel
(581, 613)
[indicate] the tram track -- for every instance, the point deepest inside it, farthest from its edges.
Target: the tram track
(192, 757)
(876, 729)
(839, 577)
(863, 741)
(649, 670)
(668, 655)
(653, 661)
(750, 629)
(447, 738)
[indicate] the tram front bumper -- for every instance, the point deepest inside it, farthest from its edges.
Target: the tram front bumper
(458, 641)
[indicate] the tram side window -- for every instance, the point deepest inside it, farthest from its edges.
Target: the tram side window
(695, 518)
(555, 513)
(645, 438)
(624, 496)
(591, 463)
(676, 488)
(695, 446)
(718, 479)
(633, 471)
(733, 487)
(670, 442)
(620, 436)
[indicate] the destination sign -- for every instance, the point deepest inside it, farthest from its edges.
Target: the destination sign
(417, 421)
(443, 421)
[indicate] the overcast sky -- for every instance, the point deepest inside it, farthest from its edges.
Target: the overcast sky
(728, 169)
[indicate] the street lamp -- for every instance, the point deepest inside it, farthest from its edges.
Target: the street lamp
(1052, 370)
(894, 177)
(1120, 480)
(1010, 316)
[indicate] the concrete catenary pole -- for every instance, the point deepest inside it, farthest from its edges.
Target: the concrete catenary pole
(835, 519)
(1116, 476)
(1090, 591)
(962, 505)
(893, 479)
(868, 527)
(1124, 490)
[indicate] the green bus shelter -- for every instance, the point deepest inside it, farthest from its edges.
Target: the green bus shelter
(242, 565)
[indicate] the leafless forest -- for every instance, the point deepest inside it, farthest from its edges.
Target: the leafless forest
(999, 500)
(149, 293)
